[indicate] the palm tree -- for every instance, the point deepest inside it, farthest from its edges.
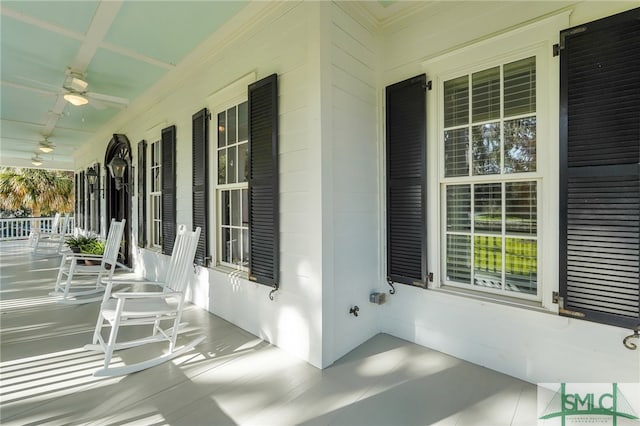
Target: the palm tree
(41, 191)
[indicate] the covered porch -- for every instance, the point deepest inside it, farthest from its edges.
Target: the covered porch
(233, 377)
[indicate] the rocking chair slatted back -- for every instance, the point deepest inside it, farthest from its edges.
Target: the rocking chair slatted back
(182, 257)
(112, 245)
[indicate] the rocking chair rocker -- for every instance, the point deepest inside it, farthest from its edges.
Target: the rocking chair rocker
(149, 308)
(73, 266)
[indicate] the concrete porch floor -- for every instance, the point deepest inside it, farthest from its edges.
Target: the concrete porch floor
(231, 378)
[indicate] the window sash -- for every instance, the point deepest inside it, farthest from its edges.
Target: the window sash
(463, 120)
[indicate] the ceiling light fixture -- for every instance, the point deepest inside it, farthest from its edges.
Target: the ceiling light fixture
(36, 160)
(76, 99)
(46, 146)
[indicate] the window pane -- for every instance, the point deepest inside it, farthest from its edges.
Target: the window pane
(235, 207)
(456, 101)
(155, 181)
(486, 149)
(521, 208)
(235, 247)
(459, 258)
(224, 208)
(242, 122)
(231, 165)
(222, 129)
(222, 166)
(459, 208)
(488, 208)
(225, 256)
(245, 247)
(486, 95)
(520, 87)
(487, 261)
(245, 207)
(456, 150)
(520, 145)
(521, 265)
(243, 169)
(231, 126)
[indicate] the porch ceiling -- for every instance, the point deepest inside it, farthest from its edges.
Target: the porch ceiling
(120, 48)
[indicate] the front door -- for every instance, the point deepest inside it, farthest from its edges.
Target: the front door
(118, 201)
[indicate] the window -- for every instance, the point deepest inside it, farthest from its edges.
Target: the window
(232, 187)
(490, 182)
(155, 197)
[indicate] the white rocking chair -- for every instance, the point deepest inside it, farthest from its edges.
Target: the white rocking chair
(73, 266)
(149, 308)
(50, 241)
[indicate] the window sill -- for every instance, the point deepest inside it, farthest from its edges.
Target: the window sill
(231, 272)
(493, 298)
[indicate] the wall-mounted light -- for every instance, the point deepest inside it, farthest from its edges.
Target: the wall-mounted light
(117, 167)
(92, 178)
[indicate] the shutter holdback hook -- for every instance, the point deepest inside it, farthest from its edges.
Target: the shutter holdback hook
(635, 335)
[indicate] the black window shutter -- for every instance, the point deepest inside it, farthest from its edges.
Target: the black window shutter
(168, 141)
(77, 200)
(82, 201)
(142, 195)
(406, 181)
(264, 235)
(96, 200)
(200, 181)
(600, 170)
(89, 205)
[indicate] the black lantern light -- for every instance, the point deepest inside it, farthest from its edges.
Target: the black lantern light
(92, 178)
(117, 167)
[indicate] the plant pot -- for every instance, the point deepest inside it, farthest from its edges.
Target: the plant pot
(75, 249)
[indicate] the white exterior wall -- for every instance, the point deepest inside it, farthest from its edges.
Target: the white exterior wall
(534, 345)
(332, 70)
(351, 190)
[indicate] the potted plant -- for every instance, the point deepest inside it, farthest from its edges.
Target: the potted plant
(86, 244)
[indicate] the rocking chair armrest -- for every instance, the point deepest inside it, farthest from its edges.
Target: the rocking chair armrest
(84, 256)
(145, 294)
(115, 281)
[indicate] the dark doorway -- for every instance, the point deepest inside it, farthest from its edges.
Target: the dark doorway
(118, 201)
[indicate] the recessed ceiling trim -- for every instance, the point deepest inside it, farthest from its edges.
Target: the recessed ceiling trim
(39, 23)
(135, 55)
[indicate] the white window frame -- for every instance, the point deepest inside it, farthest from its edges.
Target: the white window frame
(220, 100)
(155, 197)
(537, 40)
(220, 188)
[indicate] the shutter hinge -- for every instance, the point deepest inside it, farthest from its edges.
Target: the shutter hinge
(560, 301)
(556, 49)
(206, 261)
(427, 85)
(430, 277)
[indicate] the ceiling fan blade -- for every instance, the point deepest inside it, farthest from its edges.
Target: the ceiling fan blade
(107, 98)
(97, 104)
(39, 84)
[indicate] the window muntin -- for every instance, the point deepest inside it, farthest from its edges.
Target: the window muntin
(232, 187)
(490, 185)
(155, 196)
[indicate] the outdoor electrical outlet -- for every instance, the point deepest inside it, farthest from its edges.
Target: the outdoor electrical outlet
(378, 298)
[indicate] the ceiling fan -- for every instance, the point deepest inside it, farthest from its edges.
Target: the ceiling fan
(76, 93)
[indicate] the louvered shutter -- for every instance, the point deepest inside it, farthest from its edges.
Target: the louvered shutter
(97, 197)
(168, 141)
(264, 244)
(406, 181)
(77, 199)
(83, 198)
(600, 170)
(200, 181)
(142, 193)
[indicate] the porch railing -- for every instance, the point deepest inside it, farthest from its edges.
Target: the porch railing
(16, 228)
